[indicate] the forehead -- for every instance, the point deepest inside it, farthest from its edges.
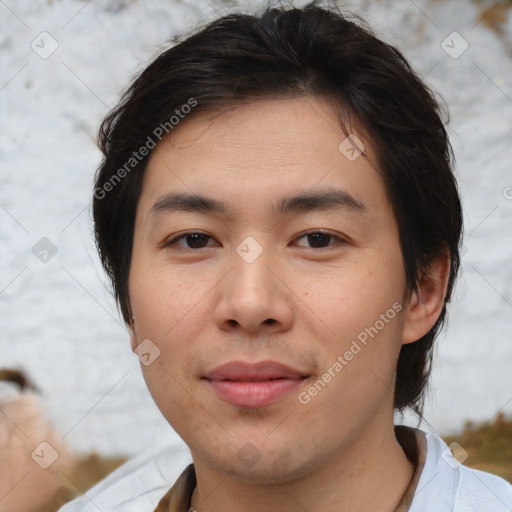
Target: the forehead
(260, 150)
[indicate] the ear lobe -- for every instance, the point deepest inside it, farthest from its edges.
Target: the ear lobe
(427, 302)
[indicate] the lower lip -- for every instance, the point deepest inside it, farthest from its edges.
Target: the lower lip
(254, 394)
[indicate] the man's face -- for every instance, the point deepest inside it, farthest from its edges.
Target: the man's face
(317, 289)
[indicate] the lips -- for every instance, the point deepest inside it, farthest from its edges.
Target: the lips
(254, 385)
(256, 372)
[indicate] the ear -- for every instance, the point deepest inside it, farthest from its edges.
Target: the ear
(427, 302)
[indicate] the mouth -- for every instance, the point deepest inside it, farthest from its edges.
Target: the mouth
(254, 385)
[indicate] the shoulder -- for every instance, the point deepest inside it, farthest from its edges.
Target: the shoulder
(445, 484)
(479, 491)
(136, 486)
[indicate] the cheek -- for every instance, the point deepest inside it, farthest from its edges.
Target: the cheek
(357, 378)
(354, 297)
(163, 303)
(168, 310)
(382, 284)
(363, 311)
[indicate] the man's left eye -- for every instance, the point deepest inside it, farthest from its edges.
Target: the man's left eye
(318, 239)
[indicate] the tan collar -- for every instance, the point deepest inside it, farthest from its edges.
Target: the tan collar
(414, 444)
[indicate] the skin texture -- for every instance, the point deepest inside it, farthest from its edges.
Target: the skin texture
(203, 307)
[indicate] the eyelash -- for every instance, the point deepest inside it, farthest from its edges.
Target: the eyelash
(172, 243)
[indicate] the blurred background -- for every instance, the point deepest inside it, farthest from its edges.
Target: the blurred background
(64, 64)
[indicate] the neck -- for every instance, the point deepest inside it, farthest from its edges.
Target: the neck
(371, 474)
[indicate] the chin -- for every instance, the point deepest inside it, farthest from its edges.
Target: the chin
(269, 466)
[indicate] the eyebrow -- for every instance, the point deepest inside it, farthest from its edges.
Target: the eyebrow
(329, 199)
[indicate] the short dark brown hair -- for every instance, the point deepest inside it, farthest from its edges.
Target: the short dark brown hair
(289, 52)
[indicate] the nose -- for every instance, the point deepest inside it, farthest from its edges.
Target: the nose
(254, 297)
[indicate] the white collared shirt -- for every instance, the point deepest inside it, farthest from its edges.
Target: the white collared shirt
(444, 484)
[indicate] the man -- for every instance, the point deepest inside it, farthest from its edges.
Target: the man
(277, 212)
